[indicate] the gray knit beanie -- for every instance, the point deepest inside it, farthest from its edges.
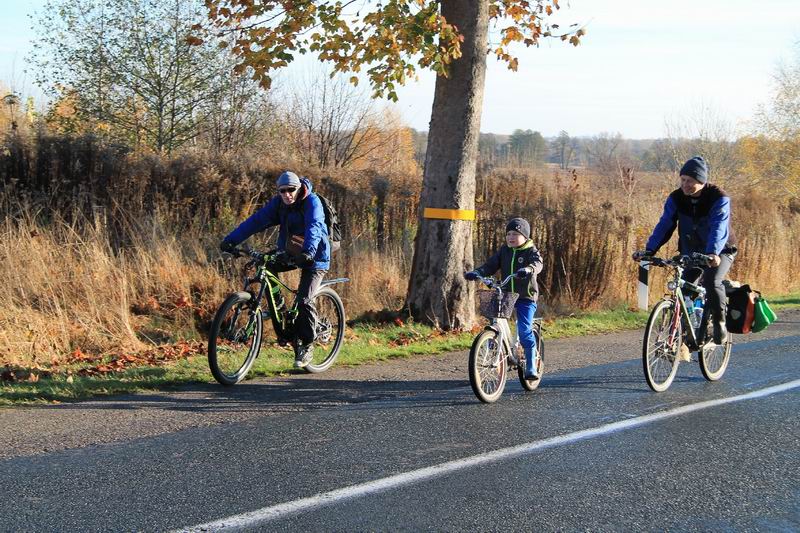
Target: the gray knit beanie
(288, 179)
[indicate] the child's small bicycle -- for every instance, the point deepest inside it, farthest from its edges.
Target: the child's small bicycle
(235, 338)
(495, 349)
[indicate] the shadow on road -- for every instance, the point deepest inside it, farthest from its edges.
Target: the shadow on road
(289, 395)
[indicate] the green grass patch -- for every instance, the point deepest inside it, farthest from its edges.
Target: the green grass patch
(363, 344)
(784, 301)
(595, 322)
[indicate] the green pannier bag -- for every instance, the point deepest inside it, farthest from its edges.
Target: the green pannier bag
(764, 316)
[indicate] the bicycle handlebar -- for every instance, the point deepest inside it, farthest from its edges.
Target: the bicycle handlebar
(696, 259)
(274, 256)
(493, 283)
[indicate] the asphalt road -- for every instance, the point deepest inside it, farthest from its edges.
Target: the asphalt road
(592, 449)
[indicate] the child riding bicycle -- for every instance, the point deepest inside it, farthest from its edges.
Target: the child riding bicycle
(521, 258)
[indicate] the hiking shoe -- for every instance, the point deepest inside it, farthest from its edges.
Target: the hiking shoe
(305, 353)
(720, 334)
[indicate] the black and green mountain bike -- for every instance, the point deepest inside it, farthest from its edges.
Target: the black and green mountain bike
(236, 333)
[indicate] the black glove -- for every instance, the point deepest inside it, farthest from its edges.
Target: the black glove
(641, 254)
(472, 276)
(282, 258)
(227, 247)
(523, 272)
(303, 260)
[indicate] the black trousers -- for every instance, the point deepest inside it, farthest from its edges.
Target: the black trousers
(712, 282)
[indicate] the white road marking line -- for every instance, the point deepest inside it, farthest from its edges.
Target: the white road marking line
(415, 476)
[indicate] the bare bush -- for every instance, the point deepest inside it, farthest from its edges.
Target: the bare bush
(706, 132)
(333, 123)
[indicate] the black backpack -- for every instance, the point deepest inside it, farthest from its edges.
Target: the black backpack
(332, 221)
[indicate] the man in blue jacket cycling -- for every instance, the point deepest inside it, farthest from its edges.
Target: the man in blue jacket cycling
(303, 235)
(702, 214)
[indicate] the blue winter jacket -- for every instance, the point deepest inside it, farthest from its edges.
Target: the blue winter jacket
(305, 218)
(703, 223)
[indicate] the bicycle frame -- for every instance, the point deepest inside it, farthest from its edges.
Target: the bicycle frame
(503, 330)
(697, 336)
(267, 280)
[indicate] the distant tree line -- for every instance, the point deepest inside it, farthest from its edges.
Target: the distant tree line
(609, 153)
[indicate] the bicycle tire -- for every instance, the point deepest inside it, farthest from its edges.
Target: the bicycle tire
(329, 330)
(661, 345)
(714, 358)
(487, 367)
(533, 384)
(233, 345)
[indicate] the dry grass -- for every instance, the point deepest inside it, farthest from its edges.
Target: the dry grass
(377, 281)
(134, 261)
(63, 288)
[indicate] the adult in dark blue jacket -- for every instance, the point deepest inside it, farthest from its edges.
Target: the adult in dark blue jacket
(702, 213)
(303, 234)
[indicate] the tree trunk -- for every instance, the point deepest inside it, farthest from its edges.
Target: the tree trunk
(437, 291)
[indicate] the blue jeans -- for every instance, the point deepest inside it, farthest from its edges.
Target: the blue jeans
(525, 311)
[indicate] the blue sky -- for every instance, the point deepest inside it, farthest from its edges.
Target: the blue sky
(642, 62)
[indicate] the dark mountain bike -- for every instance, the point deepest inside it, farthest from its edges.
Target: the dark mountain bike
(676, 328)
(236, 333)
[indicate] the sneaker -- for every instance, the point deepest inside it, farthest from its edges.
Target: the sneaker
(304, 355)
(720, 333)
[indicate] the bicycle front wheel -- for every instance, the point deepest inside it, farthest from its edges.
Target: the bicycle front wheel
(329, 330)
(714, 357)
(487, 367)
(662, 342)
(234, 339)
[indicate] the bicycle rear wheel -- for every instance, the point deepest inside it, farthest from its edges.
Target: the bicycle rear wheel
(714, 357)
(533, 384)
(329, 330)
(234, 339)
(487, 367)
(662, 341)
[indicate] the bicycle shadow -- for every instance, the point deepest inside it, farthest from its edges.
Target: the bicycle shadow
(625, 384)
(284, 395)
(290, 395)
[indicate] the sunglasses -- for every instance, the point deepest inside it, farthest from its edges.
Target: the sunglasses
(285, 190)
